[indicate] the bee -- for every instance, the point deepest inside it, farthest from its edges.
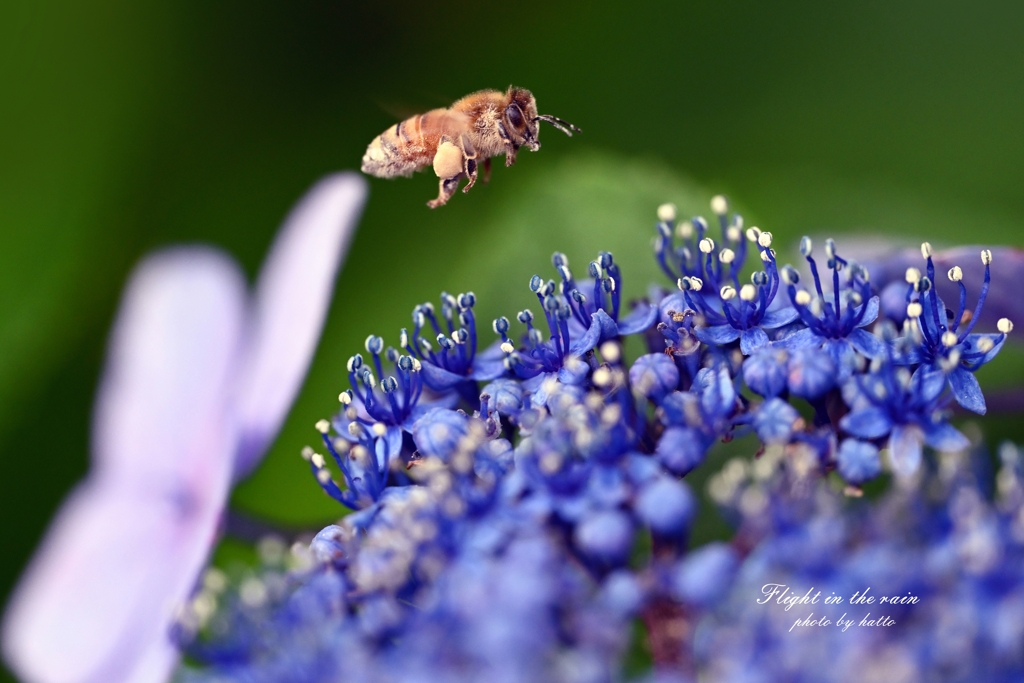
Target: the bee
(474, 129)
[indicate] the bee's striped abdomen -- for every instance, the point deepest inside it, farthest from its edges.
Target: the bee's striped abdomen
(402, 149)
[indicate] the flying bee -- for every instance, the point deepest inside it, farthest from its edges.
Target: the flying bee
(474, 129)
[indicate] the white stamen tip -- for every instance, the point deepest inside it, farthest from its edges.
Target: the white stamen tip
(307, 453)
(753, 233)
(986, 256)
(765, 239)
(914, 309)
(748, 292)
(719, 204)
(926, 250)
(685, 230)
(728, 292)
(726, 256)
(985, 344)
(734, 233)
(949, 338)
(913, 276)
(667, 212)
(611, 352)
(696, 283)
(345, 398)
(803, 297)
(707, 245)
(1005, 325)
(317, 460)
(322, 426)
(380, 429)
(507, 347)
(955, 274)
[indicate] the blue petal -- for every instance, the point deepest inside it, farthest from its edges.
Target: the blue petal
(805, 338)
(506, 396)
(438, 432)
(866, 343)
(437, 378)
(904, 355)
(676, 407)
(574, 372)
(719, 395)
(872, 313)
(705, 575)
(972, 339)
(751, 340)
(929, 383)
(716, 335)
(843, 356)
(967, 391)
(811, 373)
(905, 449)
(606, 536)
(783, 316)
(640, 319)
(666, 506)
(393, 442)
(680, 449)
(869, 423)
(765, 371)
(654, 375)
(774, 421)
(486, 369)
(945, 437)
(858, 461)
(538, 388)
(602, 328)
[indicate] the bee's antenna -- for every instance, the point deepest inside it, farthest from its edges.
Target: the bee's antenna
(558, 123)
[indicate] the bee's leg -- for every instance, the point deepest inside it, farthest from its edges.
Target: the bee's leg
(446, 190)
(449, 162)
(487, 170)
(470, 173)
(469, 162)
(510, 148)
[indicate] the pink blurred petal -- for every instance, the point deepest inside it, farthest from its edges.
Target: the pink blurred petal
(123, 553)
(173, 348)
(292, 297)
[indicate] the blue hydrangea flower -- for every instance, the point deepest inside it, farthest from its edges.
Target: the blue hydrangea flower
(456, 364)
(946, 559)
(906, 407)
(943, 339)
(834, 323)
(695, 419)
(521, 531)
(576, 323)
(709, 281)
(858, 461)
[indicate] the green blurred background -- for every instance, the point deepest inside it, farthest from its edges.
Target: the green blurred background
(127, 126)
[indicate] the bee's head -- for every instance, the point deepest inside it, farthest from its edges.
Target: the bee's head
(522, 122)
(520, 118)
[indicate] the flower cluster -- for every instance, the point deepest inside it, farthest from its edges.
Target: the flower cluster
(519, 509)
(942, 564)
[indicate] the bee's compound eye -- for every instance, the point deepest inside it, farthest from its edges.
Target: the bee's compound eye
(514, 114)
